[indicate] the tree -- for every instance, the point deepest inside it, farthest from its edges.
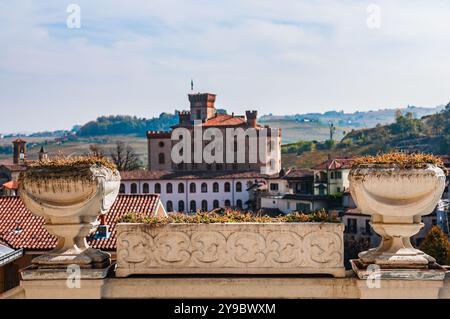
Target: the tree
(125, 157)
(95, 150)
(436, 245)
(332, 130)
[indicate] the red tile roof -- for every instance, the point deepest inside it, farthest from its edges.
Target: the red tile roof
(334, 163)
(11, 185)
(19, 228)
(299, 173)
(225, 120)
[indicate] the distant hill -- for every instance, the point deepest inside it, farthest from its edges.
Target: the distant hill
(356, 120)
(429, 134)
(125, 124)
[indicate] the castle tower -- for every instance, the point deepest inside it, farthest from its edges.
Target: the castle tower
(251, 118)
(202, 106)
(43, 156)
(19, 151)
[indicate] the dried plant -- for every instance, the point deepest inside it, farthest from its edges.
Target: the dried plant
(61, 162)
(400, 160)
(229, 216)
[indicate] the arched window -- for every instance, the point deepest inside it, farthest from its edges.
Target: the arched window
(157, 188)
(227, 203)
(181, 206)
(215, 204)
(122, 189)
(161, 158)
(145, 188)
(133, 188)
(169, 206)
(239, 203)
(227, 187)
(181, 188)
(169, 188)
(192, 188)
(204, 205)
(215, 187)
(204, 188)
(193, 206)
(238, 187)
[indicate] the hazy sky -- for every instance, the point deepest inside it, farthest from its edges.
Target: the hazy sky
(277, 56)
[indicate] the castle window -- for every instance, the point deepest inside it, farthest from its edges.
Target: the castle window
(227, 187)
(133, 188)
(238, 187)
(192, 188)
(239, 203)
(181, 188)
(215, 187)
(169, 206)
(161, 158)
(204, 188)
(227, 203)
(204, 205)
(161, 144)
(193, 206)
(158, 188)
(169, 188)
(215, 204)
(145, 188)
(181, 206)
(122, 189)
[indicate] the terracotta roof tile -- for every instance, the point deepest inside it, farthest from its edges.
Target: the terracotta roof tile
(225, 120)
(19, 228)
(335, 163)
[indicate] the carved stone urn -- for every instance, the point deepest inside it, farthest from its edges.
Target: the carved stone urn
(396, 199)
(70, 199)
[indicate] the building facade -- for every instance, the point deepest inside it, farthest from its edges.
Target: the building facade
(247, 146)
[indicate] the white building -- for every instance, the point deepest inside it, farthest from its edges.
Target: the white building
(189, 192)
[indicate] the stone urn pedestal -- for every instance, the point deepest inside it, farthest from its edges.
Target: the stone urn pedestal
(396, 199)
(70, 199)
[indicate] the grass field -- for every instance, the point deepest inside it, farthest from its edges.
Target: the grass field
(81, 146)
(293, 131)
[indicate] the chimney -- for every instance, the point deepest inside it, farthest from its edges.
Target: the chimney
(19, 151)
(251, 118)
(43, 154)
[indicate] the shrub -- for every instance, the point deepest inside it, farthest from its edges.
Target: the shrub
(436, 245)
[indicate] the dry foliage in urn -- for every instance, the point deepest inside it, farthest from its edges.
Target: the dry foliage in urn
(400, 160)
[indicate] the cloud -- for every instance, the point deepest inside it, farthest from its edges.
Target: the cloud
(137, 57)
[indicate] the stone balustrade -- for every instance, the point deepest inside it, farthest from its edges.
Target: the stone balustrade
(231, 248)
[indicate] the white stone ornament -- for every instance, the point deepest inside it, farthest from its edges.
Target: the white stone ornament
(70, 200)
(396, 199)
(230, 248)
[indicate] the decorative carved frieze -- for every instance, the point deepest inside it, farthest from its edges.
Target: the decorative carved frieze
(257, 248)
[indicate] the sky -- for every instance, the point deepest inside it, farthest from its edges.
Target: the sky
(276, 56)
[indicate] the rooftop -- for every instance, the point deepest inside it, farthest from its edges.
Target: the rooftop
(334, 163)
(21, 229)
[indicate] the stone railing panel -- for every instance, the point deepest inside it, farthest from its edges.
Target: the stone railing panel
(257, 248)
